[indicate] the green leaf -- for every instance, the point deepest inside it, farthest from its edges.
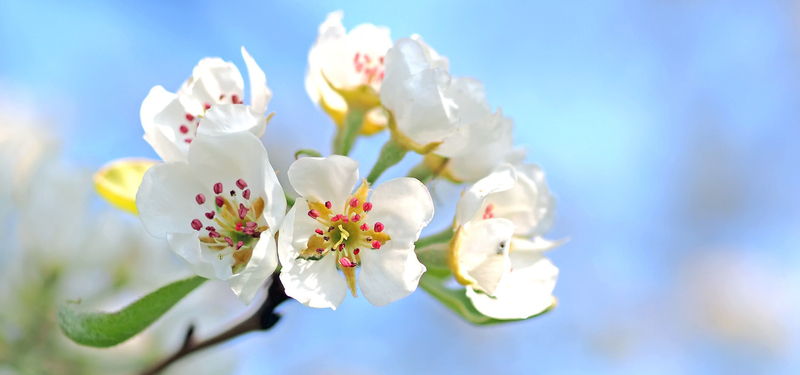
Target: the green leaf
(457, 300)
(104, 329)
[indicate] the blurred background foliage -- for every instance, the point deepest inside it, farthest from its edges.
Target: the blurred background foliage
(668, 130)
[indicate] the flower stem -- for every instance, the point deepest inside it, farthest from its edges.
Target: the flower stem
(262, 320)
(347, 134)
(391, 154)
(443, 236)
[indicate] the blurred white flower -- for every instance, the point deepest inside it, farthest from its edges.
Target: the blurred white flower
(347, 61)
(497, 249)
(172, 121)
(328, 228)
(413, 91)
(219, 211)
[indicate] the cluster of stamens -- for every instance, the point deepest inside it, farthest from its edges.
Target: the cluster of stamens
(344, 234)
(234, 226)
(370, 68)
(193, 120)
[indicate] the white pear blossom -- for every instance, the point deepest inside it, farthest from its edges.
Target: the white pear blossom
(219, 211)
(329, 229)
(346, 61)
(484, 139)
(498, 249)
(414, 89)
(171, 120)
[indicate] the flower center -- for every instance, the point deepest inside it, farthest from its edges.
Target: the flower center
(344, 232)
(188, 129)
(369, 67)
(232, 226)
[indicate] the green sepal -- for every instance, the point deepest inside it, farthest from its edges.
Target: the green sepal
(106, 329)
(306, 152)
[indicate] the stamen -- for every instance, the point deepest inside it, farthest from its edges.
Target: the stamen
(354, 202)
(233, 193)
(331, 228)
(378, 227)
(328, 205)
(313, 214)
(326, 238)
(320, 251)
(335, 218)
(241, 184)
(367, 207)
(346, 262)
(184, 129)
(197, 225)
(239, 245)
(246, 194)
(355, 218)
(210, 215)
(319, 231)
(219, 201)
(229, 241)
(242, 211)
(364, 227)
(376, 244)
(356, 251)
(200, 198)
(211, 229)
(235, 99)
(189, 117)
(239, 227)
(369, 239)
(207, 106)
(214, 235)
(188, 140)
(218, 188)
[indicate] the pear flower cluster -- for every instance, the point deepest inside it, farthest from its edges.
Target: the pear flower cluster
(217, 201)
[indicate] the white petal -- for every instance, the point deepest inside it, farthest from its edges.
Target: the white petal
(490, 144)
(324, 179)
(469, 206)
(259, 91)
(422, 111)
(404, 206)
(161, 114)
(313, 283)
(389, 273)
(403, 60)
(538, 244)
(526, 291)
(232, 118)
(211, 78)
(470, 97)
(166, 199)
(434, 58)
(227, 158)
(262, 264)
(330, 32)
(187, 247)
(528, 204)
(483, 251)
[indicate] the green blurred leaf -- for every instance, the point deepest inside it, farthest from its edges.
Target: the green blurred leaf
(457, 300)
(104, 329)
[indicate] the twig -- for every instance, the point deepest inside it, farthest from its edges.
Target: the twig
(263, 319)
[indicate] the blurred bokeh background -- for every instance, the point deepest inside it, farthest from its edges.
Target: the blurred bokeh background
(668, 130)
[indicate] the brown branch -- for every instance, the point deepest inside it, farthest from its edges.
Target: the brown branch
(262, 320)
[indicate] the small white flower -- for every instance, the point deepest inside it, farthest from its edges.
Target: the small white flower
(414, 89)
(171, 121)
(505, 273)
(219, 211)
(483, 140)
(330, 229)
(347, 61)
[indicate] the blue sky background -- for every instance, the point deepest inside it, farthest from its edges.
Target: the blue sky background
(668, 130)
